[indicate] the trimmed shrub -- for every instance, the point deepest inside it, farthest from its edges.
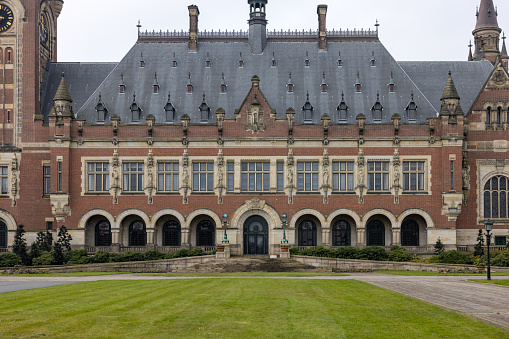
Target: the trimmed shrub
(294, 251)
(502, 259)
(74, 256)
(134, 256)
(46, 258)
(373, 253)
(153, 255)
(348, 252)
(10, 260)
(183, 252)
(196, 252)
(399, 254)
(116, 257)
(101, 257)
(453, 257)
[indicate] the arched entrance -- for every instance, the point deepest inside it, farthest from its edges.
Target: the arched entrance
(171, 233)
(256, 235)
(375, 231)
(307, 233)
(410, 233)
(205, 233)
(103, 233)
(137, 233)
(341, 233)
(3, 235)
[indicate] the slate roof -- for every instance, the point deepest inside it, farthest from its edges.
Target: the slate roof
(289, 56)
(487, 15)
(431, 77)
(82, 80)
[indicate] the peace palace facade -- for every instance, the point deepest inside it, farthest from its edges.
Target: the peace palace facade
(326, 127)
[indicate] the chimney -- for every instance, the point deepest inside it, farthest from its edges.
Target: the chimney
(322, 26)
(257, 26)
(193, 27)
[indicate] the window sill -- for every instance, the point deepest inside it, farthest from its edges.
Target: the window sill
(167, 193)
(202, 193)
(98, 193)
(379, 192)
(132, 193)
(343, 192)
(415, 193)
(309, 192)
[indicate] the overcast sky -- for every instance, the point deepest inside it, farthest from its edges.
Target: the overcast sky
(104, 30)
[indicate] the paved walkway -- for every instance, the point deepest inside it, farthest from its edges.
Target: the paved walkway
(484, 301)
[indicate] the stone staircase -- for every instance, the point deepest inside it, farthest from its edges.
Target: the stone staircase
(251, 264)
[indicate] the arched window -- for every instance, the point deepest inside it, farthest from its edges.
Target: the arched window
(3, 235)
(499, 115)
(205, 234)
(171, 233)
(410, 233)
(496, 199)
(341, 233)
(375, 233)
(103, 233)
(137, 234)
(307, 233)
(488, 116)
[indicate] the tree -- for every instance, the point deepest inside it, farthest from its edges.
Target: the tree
(439, 247)
(43, 243)
(62, 245)
(19, 246)
(507, 241)
(479, 247)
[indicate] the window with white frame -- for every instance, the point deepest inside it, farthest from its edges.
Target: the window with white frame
(496, 198)
(255, 176)
(342, 176)
(133, 176)
(4, 177)
(46, 172)
(98, 176)
(307, 176)
(203, 176)
(280, 169)
(230, 169)
(168, 176)
(413, 176)
(378, 176)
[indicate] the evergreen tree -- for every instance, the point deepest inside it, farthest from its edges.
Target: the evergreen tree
(43, 243)
(439, 247)
(19, 246)
(62, 245)
(479, 247)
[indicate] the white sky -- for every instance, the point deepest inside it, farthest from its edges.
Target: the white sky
(104, 30)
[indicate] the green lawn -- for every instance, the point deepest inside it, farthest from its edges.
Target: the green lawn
(229, 308)
(247, 274)
(495, 282)
(75, 274)
(426, 273)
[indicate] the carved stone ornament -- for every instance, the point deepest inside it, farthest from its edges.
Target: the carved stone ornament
(451, 205)
(115, 176)
(14, 179)
(255, 204)
(60, 206)
(255, 117)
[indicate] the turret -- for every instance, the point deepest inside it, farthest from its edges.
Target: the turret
(257, 26)
(451, 107)
(486, 32)
(194, 12)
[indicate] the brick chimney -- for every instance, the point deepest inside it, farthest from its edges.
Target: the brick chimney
(194, 12)
(322, 26)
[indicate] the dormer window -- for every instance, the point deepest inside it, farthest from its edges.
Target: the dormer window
(358, 84)
(412, 110)
(207, 62)
(205, 110)
(373, 61)
(306, 62)
(174, 63)
(156, 85)
(122, 84)
(223, 84)
(101, 110)
(377, 110)
(340, 61)
(308, 110)
(135, 110)
(142, 62)
(273, 62)
(391, 84)
(241, 62)
(343, 109)
(122, 88)
(324, 84)
(189, 84)
(169, 109)
(290, 84)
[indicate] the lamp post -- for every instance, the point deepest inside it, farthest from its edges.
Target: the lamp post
(488, 226)
(225, 225)
(284, 223)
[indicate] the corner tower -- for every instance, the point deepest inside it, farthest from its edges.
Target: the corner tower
(486, 32)
(257, 25)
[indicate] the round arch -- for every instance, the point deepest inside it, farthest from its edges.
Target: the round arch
(133, 211)
(415, 211)
(344, 211)
(169, 211)
(245, 211)
(202, 211)
(82, 224)
(379, 211)
(9, 220)
(308, 211)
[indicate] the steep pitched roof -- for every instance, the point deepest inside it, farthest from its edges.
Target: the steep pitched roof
(487, 15)
(450, 91)
(63, 91)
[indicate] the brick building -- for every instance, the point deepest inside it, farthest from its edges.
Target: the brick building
(326, 127)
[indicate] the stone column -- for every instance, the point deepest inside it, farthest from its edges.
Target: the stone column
(361, 237)
(326, 237)
(396, 237)
(150, 237)
(185, 237)
(115, 236)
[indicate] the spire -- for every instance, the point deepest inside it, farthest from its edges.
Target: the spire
(486, 15)
(450, 91)
(470, 57)
(504, 49)
(63, 91)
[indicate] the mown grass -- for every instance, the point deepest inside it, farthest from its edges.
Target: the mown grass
(427, 273)
(245, 274)
(495, 282)
(75, 274)
(229, 308)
